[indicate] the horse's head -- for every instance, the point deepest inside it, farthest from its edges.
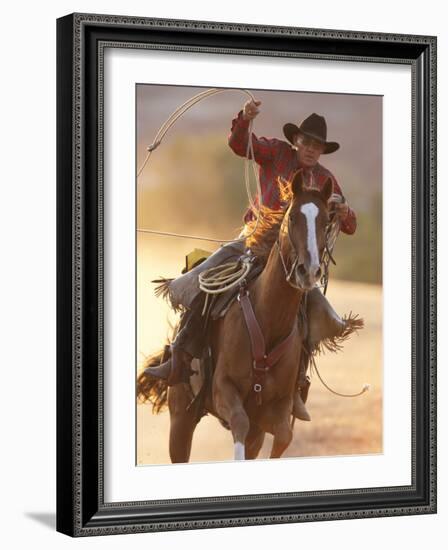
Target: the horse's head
(305, 224)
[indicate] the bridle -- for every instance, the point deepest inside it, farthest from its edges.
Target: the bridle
(331, 233)
(288, 273)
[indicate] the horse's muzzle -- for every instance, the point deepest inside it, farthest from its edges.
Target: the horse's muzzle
(306, 278)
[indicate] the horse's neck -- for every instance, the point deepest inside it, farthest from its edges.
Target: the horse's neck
(276, 301)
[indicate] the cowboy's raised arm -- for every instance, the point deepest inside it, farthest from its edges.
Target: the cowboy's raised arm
(264, 149)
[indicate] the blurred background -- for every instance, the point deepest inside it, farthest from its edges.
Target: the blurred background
(194, 184)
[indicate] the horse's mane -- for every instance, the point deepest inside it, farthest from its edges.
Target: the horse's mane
(266, 232)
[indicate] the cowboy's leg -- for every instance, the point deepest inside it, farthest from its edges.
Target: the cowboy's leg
(323, 321)
(303, 381)
(191, 334)
(189, 343)
(183, 290)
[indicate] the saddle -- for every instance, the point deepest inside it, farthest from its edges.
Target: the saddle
(221, 303)
(183, 290)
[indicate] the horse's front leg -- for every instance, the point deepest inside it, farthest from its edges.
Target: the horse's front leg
(254, 441)
(282, 429)
(229, 406)
(182, 422)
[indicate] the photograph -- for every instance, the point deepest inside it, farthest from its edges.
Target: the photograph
(259, 302)
(246, 274)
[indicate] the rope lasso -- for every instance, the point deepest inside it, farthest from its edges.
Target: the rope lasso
(364, 389)
(221, 278)
(256, 209)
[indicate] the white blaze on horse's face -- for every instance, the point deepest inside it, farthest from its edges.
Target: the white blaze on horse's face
(311, 211)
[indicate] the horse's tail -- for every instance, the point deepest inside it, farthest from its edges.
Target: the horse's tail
(150, 388)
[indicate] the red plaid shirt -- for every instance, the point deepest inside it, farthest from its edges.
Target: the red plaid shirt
(278, 158)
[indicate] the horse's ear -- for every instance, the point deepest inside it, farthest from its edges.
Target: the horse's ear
(297, 184)
(327, 190)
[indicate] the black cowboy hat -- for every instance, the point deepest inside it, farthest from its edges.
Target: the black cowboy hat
(314, 127)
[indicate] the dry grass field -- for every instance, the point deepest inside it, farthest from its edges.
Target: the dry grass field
(339, 426)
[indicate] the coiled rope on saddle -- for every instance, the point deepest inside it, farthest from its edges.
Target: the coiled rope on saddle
(221, 278)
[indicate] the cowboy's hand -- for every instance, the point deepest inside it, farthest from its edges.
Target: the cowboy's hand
(340, 208)
(250, 109)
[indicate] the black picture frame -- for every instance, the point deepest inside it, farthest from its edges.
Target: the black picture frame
(81, 510)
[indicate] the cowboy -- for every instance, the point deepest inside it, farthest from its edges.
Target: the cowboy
(307, 143)
(276, 158)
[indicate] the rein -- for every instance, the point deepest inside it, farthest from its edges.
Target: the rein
(262, 361)
(288, 274)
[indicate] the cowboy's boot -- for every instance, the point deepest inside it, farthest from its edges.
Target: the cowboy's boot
(176, 369)
(322, 322)
(301, 395)
(299, 409)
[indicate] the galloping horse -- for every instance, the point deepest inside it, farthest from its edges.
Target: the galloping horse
(293, 242)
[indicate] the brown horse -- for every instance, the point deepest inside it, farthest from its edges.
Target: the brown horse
(293, 242)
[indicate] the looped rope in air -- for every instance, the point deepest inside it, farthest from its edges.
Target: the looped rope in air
(249, 157)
